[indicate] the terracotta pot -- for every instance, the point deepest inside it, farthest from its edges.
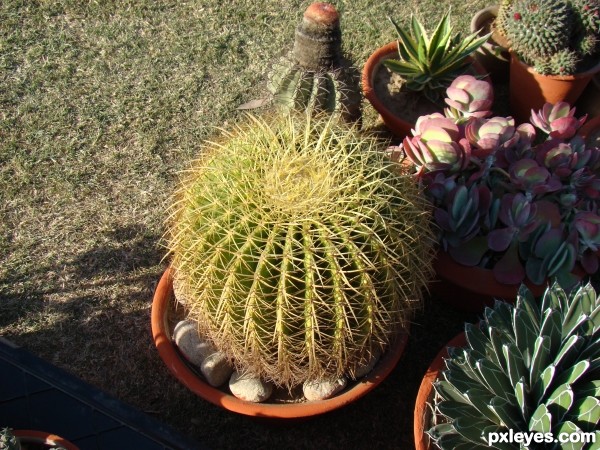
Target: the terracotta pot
(396, 124)
(530, 90)
(41, 440)
(471, 289)
(589, 101)
(422, 413)
(167, 350)
(590, 131)
(493, 57)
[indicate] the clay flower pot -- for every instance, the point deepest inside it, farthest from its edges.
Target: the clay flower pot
(397, 124)
(161, 305)
(423, 414)
(33, 440)
(471, 289)
(492, 56)
(530, 90)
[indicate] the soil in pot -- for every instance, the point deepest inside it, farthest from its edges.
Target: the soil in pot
(423, 413)
(406, 104)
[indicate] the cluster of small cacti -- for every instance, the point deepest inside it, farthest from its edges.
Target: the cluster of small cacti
(558, 37)
(316, 77)
(300, 248)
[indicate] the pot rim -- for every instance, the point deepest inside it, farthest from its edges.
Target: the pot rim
(425, 392)
(397, 125)
(179, 368)
(585, 74)
(44, 437)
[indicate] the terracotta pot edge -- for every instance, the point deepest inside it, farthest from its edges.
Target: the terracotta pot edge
(179, 369)
(426, 388)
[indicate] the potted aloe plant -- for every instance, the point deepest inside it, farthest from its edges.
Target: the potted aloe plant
(299, 252)
(410, 75)
(529, 369)
(555, 50)
(512, 203)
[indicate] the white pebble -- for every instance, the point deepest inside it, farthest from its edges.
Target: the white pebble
(323, 389)
(249, 388)
(364, 369)
(194, 348)
(216, 369)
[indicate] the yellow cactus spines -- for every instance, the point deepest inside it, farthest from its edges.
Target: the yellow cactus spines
(301, 248)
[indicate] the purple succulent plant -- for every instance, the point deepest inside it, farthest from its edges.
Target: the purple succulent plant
(520, 202)
(436, 144)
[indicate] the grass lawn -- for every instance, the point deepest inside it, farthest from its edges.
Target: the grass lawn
(102, 104)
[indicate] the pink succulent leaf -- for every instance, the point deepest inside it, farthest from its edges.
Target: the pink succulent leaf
(482, 105)
(457, 95)
(471, 252)
(499, 239)
(558, 110)
(412, 151)
(526, 132)
(442, 218)
(425, 119)
(509, 269)
(564, 128)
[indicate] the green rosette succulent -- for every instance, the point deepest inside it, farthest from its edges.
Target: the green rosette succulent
(531, 367)
(301, 249)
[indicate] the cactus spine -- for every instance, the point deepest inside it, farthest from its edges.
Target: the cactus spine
(316, 77)
(299, 247)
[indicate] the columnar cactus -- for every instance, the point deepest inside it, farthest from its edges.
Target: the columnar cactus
(532, 367)
(316, 77)
(299, 246)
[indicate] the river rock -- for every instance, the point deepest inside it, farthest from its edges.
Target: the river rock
(192, 346)
(249, 387)
(216, 369)
(323, 389)
(364, 369)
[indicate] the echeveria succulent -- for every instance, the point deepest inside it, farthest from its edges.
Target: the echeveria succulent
(486, 136)
(557, 120)
(467, 97)
(521, 202)
(436, 144)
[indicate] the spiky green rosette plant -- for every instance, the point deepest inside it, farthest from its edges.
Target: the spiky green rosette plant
(556, 37)
(532, 368)
(316, 77)
(8, 441)
(299, 247)
(429, 64)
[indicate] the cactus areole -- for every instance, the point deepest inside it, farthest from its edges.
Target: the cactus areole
(299, 248)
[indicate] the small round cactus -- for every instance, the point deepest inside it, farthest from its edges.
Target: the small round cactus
(300, 247)
(316, 77)
(538, 29)
(556, 37)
